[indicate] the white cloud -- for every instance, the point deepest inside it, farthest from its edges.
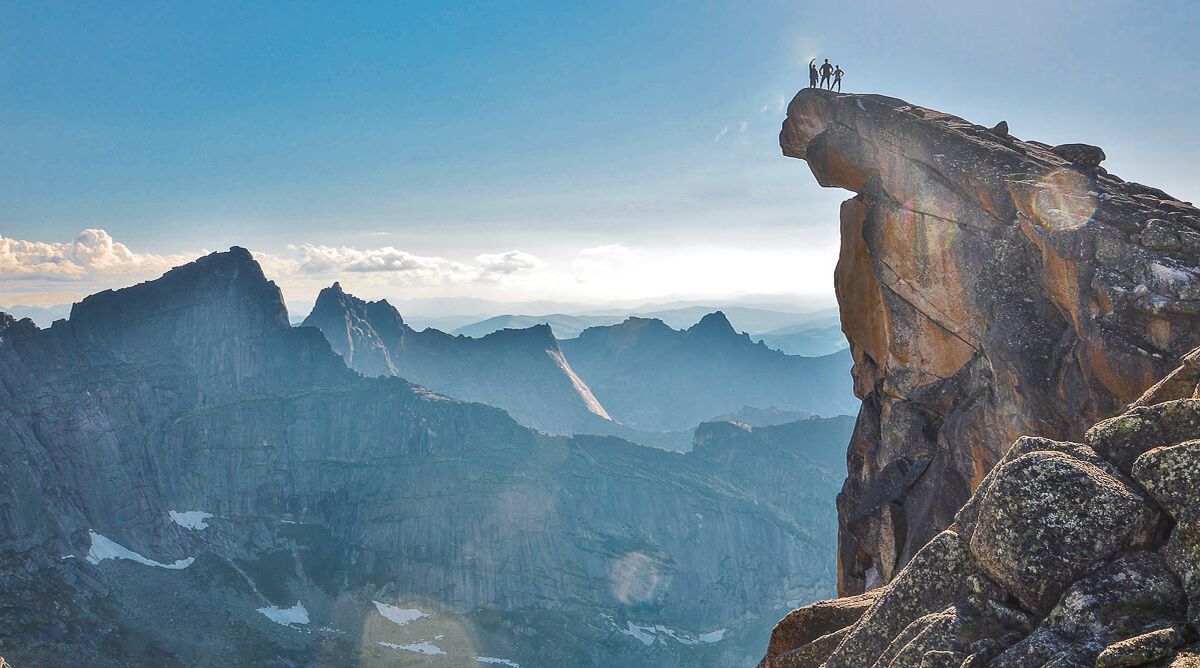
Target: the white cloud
(328, 259)
(765, 109)
(93, 252)
(722, 133)
(743, 126)
(504, 264)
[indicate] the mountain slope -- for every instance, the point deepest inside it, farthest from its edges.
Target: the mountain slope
(521, 371)
(185, 479)
(652, 377)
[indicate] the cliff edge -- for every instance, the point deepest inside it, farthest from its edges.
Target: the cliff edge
(990, 287)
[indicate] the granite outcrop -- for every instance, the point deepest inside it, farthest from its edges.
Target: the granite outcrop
(990, 287)
(1069, 554)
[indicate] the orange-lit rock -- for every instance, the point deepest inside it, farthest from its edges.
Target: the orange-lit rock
(989, 288)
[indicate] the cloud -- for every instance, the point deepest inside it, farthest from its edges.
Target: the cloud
(765, 109)
(722, 133)
(504, 264)
(742, 127)
(93, 252)
(409, 268)
(328, 259)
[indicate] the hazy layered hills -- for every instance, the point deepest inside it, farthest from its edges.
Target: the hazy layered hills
(521, 371)
(652, 377)
(683, 377)
(809, 334)
(186, 479)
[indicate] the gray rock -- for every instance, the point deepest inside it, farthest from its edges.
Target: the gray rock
(1140, 650)
(1048, 518)
(805, 626)
(1160, 236)
(1080, 155)
(934, 579)
(1124, 438)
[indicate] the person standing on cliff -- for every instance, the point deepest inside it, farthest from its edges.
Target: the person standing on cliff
(812, 73)
(826, 70)
(837, 78)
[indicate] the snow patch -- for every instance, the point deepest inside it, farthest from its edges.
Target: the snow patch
(286, 616)
(399, 616)
(104, 548)
(585, 392)
(502, 662)
(190, 519)
(648, 634)
(643, 633)
(420, 647)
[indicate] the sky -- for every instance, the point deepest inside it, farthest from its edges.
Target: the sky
(584, 152)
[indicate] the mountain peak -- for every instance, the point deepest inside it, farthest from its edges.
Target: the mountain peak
(713, 324)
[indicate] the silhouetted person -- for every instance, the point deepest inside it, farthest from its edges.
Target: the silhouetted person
(826, 70)
(812, 73)
(837, 78)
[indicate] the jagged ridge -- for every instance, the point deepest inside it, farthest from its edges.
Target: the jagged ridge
(521, 371)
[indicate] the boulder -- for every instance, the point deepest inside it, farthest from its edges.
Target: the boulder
(1047, 518)
(935, 578)
(1160, 236)
(1124, 438)
(1140, 650)
(1080, 155)
(806, 625)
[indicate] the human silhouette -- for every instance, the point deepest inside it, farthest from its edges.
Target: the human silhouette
(837, 78)
(812, 73)
(826, 70)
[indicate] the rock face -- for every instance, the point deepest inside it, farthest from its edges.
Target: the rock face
(1068, 554)
(652, 377)
(185, 479)
(522, 371)
(989, 287)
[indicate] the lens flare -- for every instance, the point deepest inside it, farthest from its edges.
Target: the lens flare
(927, 222)
(636, 578)
(1064, 200)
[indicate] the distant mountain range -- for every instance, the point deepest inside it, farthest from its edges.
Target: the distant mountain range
(652, 377)
(186, 479)
(522, 371)
(660, 379)
(808, 334)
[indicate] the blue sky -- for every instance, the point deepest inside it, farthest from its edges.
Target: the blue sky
(520, 150)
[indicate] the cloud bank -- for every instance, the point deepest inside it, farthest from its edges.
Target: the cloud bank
(93, 252)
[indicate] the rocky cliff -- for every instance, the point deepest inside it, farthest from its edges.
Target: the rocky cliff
(185, 479)
(652, 377)
(1067, 555)
(522, 371)
(990, 287)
